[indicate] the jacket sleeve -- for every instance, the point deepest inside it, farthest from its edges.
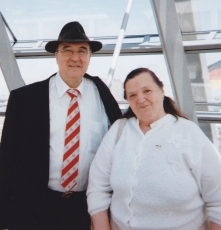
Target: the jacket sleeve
(110, 104)
(6, 160)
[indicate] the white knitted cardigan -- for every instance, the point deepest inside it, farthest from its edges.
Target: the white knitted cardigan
(161, 180)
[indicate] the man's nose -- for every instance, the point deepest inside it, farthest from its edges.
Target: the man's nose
(75, 56)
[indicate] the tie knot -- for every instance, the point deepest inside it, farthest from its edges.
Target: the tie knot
(73, 93)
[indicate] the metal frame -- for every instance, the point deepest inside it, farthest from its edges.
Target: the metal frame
(8, 27)
(130, 46)
(172, 45)
(119, 44)
(133, 45)
(8, 62)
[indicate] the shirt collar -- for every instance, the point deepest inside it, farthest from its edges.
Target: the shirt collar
(62, 87)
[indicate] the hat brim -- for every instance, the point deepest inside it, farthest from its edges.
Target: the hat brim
(52, 46)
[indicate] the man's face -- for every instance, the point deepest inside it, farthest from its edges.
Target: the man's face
(73, 65)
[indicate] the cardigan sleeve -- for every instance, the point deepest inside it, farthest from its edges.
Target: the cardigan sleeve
(99, 188)
(207, 172)
(211, 182)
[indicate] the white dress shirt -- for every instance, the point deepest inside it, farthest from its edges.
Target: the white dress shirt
(161, 180)
(93, 126)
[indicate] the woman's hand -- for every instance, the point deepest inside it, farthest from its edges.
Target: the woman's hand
(100, 221)
(214, 226)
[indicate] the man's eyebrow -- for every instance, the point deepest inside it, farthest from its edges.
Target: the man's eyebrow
(83, 47)
(64, 47)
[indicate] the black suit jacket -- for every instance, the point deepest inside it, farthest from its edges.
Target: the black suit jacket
(24, 159)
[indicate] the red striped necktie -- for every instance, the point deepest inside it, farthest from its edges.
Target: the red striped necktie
(70, 163)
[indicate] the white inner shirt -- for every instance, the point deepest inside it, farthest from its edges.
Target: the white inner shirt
(93, 126)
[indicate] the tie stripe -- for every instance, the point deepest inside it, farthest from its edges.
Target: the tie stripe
(70, 151)
(72, 135)
(71, 164)
(72, 108)
(71, 180)
(73, 121)
(71, 144)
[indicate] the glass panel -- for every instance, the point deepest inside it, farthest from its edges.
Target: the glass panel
(44, 19)
(33, 70)
(155, 39)
(191, 37)
(9, 35)
(1, 126)
(213, 132)
(218, 36)
(24, 45)
(199, 15)
(4, 93)
(142, 15)
(205, 75)
(124, 65)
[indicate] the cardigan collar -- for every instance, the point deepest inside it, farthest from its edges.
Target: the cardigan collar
(165, 119)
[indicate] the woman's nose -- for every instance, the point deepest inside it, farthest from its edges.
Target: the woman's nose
(140, 98)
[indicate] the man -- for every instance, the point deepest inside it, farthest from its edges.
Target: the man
(51, 132)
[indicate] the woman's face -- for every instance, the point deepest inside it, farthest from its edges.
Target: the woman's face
(145, 98)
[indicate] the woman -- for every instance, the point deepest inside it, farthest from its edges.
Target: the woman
(163, 173)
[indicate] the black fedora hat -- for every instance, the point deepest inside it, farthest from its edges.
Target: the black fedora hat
(72, 32)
